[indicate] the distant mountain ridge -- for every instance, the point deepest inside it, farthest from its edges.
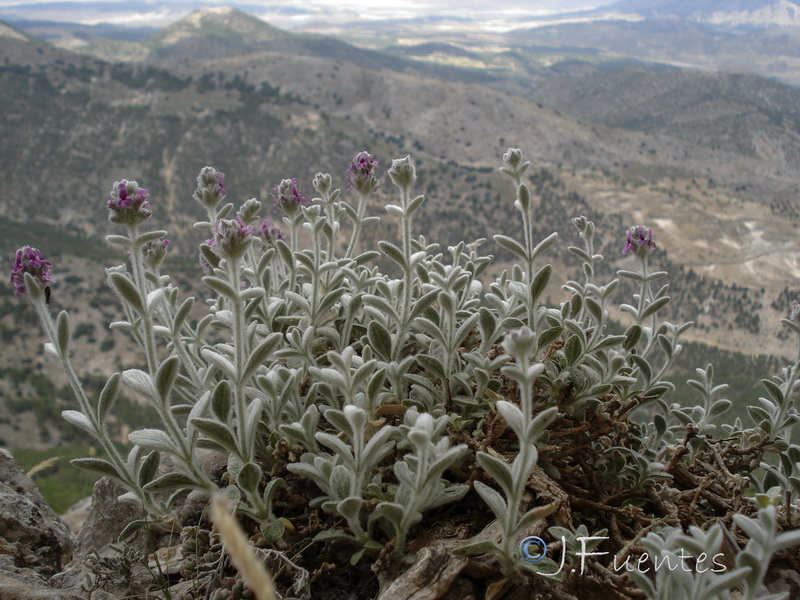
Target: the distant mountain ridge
(734, 13)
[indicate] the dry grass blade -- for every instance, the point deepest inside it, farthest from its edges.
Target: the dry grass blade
(242, 554)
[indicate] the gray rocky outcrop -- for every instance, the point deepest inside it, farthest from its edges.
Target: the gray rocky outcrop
(34, 543)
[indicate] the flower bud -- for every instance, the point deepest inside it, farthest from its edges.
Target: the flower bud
(154, 253)
(514, 167)
(520, 342)
(402, 172)
(322, 182)
(248, 212)
(210, 187)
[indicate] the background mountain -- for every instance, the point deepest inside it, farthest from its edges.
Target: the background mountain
(735, 13)
(709, 159)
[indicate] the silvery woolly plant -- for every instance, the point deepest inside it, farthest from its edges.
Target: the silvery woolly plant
(394, 395)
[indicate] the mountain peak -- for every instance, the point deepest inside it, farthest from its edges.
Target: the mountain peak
(222, 22)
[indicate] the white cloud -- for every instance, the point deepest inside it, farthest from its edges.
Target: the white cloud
(292, 14)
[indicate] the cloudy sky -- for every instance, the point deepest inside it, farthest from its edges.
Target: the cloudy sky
(289, 14)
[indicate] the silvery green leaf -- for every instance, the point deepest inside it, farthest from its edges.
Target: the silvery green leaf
(182, 314)
(132, 527)
(272, 531)
(512, 246)
(221, 400)
(165, 377)
(217, 432)
(118, 240)
(655, 306)
(220, 286)
(513, 416)
(536, 514)
(423, 302)
(632, 337)
(338, 420)
(393, 209)
(725, 581)
(140, 382)
(252, 419)
(52, 350)
(394, 253)
(431, 364)
(548, 336)
(497, 470)
(32, 286)
(752, 529)
(62, 332)
(172, 481)
(442, 462)
(260, 354)
(249, 477)
(414, 205)
(108, 396)
(252, 293)
(544, 245)
(219, 361)
(493, 499)
(774, 390)
(380, 339)
(330, 376)
(121, 326)
(147, 470)
(540, 423)
(154, 439)
(350, 508)
(573, 349)
(341, 449)
(333, 535)
(78, 419)
(540, 281)
(151, 236)
(153, 297)
(379, 446)
(342, 481)
(96, 465)
(392, 512)
(285, 252)
(631, 275)
(127, 291)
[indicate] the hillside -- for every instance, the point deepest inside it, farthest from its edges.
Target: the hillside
(617, 143)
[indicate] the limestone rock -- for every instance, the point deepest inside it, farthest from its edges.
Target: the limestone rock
(32, 537)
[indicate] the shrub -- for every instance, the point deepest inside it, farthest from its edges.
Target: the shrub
(376, 413)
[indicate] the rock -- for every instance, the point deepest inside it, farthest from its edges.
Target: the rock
(14, 587)
(30, 531)
(76, 515)
(106, 519)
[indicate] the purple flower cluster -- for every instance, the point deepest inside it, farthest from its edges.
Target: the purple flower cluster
(30, 260)
(210, 187)
(640, 241)
(361, 173)
(287, 197)
(269, 233)
(231, 238)
(128, 204)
